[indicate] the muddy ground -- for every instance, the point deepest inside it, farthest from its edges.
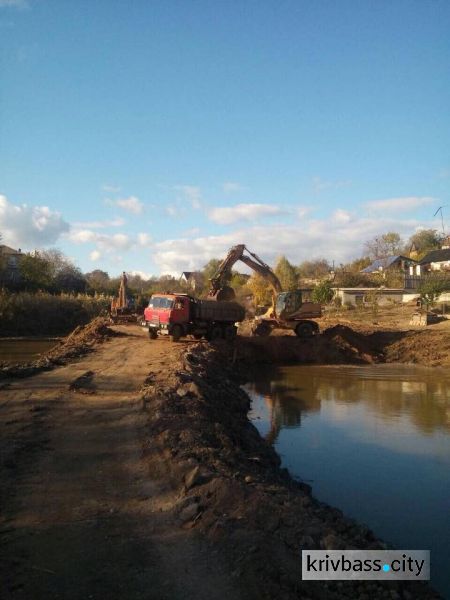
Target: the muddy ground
(129, 469)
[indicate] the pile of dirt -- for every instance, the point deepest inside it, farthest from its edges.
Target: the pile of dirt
(232, 490)
(428, 348)
(336, 345)
(79, 342)
(341, 344)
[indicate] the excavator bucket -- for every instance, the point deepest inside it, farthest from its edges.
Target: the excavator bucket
(224, 294)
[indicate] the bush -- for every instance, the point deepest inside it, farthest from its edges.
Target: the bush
(44, 314)
(323, 292)
(433, 286)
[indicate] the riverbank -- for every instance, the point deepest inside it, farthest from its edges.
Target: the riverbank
(209, 485)
(232, 490)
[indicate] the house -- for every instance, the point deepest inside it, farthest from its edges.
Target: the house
(9, 264)
(192, 279)
(365, 296)
(399, 263)
(436, 260)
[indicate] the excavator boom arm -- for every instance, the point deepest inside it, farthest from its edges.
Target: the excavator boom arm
(253, 261)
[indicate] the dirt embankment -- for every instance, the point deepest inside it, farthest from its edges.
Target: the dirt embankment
(232, 491)
(342, 344)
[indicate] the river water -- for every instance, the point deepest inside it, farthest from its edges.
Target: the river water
(24, 350)
(373, 441)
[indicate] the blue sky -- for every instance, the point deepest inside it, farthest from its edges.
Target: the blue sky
(151, 136)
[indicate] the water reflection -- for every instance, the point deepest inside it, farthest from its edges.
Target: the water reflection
(389, 392)
(373, 441)
(24, 350)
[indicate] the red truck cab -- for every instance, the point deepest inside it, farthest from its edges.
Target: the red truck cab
(164, 311)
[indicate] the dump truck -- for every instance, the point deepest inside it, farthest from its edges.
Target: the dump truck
(179, 315)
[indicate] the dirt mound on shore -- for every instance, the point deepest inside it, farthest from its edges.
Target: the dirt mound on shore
(78, 343)
(336, 345)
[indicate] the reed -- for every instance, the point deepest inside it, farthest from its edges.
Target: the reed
(26, 314)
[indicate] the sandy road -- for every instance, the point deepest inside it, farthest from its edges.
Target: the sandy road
(82, 515)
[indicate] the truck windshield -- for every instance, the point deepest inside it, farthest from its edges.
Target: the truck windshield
(158, 302)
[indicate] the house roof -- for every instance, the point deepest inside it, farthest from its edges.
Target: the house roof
(436, 256)
(384, 263)
(7, 250)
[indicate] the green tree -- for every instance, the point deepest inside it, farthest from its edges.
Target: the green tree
(380, 246)
(69, 279)
(261, 290)
(424, 241)
(36, 272)
(286, 274)
(98, 281)
(430, 290)
(210, 269)
(314, 269)
(323, 292)
(357, 265)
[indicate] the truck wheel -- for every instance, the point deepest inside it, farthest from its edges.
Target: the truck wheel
(230, 332)
(152, 334)
(176, 334)
(305, 330)
(215, 334)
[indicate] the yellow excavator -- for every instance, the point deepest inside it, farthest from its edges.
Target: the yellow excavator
(288, 311)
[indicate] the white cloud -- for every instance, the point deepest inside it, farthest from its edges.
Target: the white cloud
(113, 242)
(130, 204)
(30, 226)
(232, 187)
(144, 239)
(192, 193)
(302, 211)
(341, 216)
(14, 4)
(172, 211)
(320, 185)
(111, 189)
(402, 203)
(118, 222)
(83, 236)
(103, 242)
(191, 232)
(95, 255)
(109, 246)
(339, 237)
(226, 215)
(142, 274)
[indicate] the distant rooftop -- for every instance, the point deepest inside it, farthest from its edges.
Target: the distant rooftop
(385, 263)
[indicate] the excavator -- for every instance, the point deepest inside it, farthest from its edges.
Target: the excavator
(288, 311)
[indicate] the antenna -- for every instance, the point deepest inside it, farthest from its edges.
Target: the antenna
(442, 218)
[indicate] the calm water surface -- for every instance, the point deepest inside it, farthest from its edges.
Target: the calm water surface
(23, 350)
(373, 441)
